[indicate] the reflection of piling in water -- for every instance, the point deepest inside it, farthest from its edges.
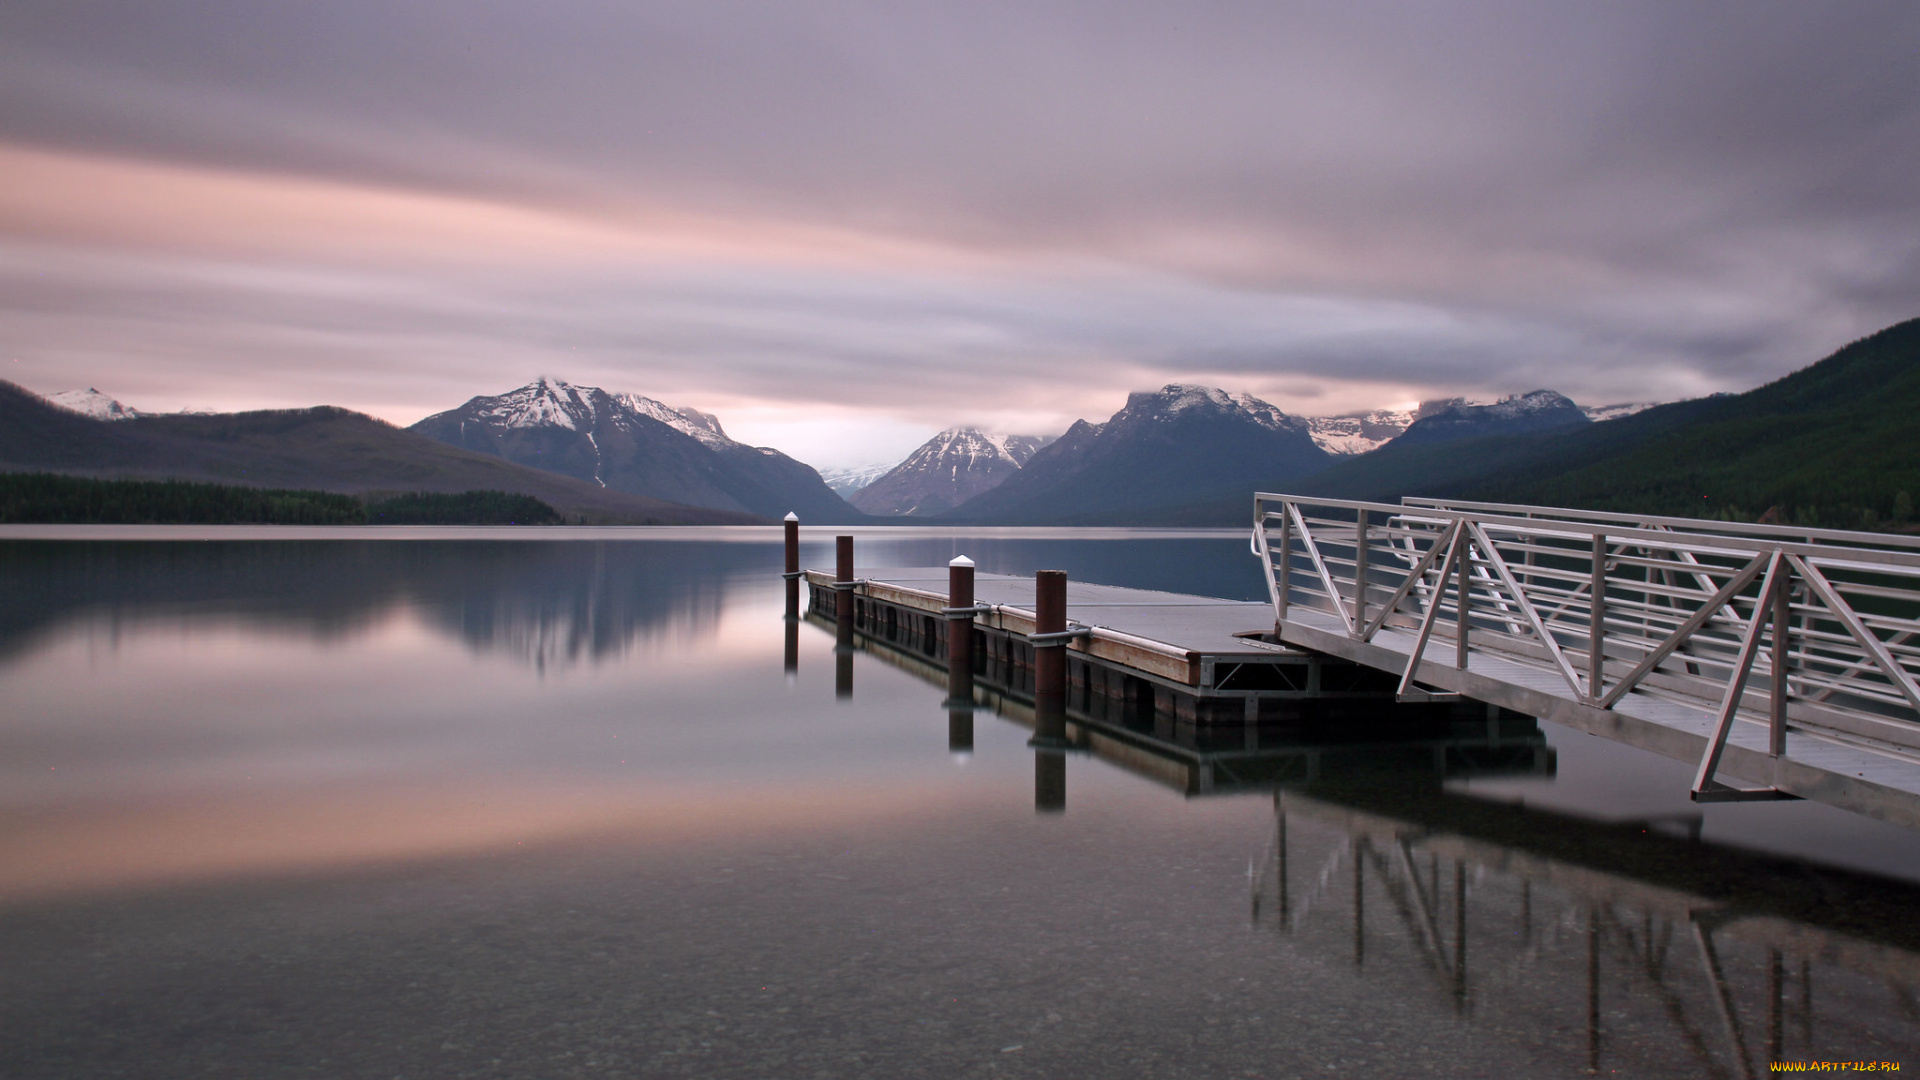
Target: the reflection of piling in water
(843, 601)
(960, 730)
(1593, 990)
(791, 658)
(959, 615)
(1359, 902)
(1049, 781)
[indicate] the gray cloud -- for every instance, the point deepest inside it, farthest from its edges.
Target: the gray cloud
(1328, 203)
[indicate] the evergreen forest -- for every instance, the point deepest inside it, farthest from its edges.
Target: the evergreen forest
(50, 498)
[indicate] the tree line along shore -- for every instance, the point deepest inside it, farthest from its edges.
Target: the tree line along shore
(50, 498)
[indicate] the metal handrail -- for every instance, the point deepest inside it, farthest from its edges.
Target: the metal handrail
(1736, 528)
(1656, 536)
(1621, 604)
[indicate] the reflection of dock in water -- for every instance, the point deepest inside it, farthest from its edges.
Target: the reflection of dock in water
(1652, 942)
(1616, 946)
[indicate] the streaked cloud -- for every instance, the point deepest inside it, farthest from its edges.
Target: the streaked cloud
(880, 219)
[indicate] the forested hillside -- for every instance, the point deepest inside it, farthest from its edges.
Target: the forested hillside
(48, 498)
(1834, 444)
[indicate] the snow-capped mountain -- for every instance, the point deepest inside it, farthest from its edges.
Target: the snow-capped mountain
(91, 402)
(1165, 448)
(557, 403)
(1536, 410)
(851, 478)
(1597, 413)
(947, 470)
(1357, 433)
(636, 444)
(703, 426)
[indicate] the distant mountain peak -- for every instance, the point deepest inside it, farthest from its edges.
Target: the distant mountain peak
(947, 470)
(1532, 401)
(1357, 433)
(1165, 447)
(1597, 413)
(93, 403)
(544, 402)
(1182, 399)
(551, 402)
(635, 444)
(703, 426)
(1457, 418)
(849, 479)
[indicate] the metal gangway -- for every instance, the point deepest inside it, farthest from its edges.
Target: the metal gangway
(1782, 660)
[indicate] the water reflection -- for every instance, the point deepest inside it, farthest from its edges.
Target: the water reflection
(546, 604)
(1644, 949)
(1645, 940)
(324, 831)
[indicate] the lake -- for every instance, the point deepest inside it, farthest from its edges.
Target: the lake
(460, 803)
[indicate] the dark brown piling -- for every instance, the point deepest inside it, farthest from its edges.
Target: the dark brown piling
(960, 626)
(843, 617)
(959, 655)
(1050, 659)
(792, 572)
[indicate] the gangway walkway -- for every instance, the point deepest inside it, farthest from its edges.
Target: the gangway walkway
(1781, 660)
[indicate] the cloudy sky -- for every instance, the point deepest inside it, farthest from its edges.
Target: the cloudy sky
(844, 225)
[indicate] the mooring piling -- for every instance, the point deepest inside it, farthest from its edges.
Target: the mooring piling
(959, 614)
(792, 572)
(843, 601)
(1049, 657)
(959, 617)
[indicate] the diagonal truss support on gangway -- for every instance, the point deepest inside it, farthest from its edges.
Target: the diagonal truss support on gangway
(1780, 657)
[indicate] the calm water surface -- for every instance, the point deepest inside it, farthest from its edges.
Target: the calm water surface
(458, 807)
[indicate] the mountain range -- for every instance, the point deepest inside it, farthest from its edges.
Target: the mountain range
(1154, 452)
(632, 444)
(322, 448)
(941, 476)
(1831, 444)
(1154, 456)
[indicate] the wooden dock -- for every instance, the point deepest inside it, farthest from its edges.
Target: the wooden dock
(1435, 742)
(1342, 634)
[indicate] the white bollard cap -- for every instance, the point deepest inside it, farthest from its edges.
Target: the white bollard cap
(961, 560)
(791, 516)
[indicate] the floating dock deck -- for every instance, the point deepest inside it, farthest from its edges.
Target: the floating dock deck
(1197, 659)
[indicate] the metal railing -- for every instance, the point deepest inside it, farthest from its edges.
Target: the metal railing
(1800, 629)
